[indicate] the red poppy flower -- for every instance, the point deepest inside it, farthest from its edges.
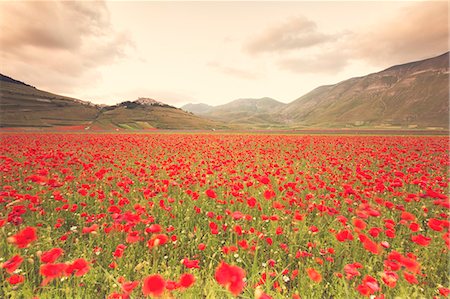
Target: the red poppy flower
(368, 286)
(52, 271)
(153, 285)
(154, 228)
(187, 280)
(191, 263)
(444, 292)
(390, 278)
(407, 216)
(23, 238)
(211, 193)
(90, 229)
(314, 275)
(435, 224)
(16, 279)
(133, 237)
(231, 277)
(157, 240)
(369, 245)
(344, 235)
(79, 267)
(410, 264)
(119, 251)
(128, 287)
(172, 285)
(12, 264)
(410, 277)
(375, 231)
(269, 194)
(414, 227)
(51, 255)
(359, 224)
(421, 240)
(351, 270)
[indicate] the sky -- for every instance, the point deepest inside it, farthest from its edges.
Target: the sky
(211, 52)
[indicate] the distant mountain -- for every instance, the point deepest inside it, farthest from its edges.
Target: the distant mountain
(197, 108)
(244, 112)
(410, 95)
(22, 105)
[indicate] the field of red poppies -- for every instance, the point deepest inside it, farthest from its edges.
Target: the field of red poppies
(223, 215)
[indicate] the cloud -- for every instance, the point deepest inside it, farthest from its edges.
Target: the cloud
(419, 31)
(42, 41)
(234, 72)
(323, 63)
(296, 33)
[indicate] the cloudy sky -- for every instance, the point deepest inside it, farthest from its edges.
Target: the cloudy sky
(211, 52)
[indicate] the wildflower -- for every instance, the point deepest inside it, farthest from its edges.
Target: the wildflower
(231, 277)
(12, 264)
(23, 238)
(153, 285)
(314, 275)
(16, 279)
(51, 255)
(187, 280)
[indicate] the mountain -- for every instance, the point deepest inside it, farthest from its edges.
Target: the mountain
(22, 105)
(244, 112)
(197, 108)
(414, 94)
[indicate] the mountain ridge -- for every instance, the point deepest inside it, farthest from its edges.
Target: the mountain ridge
(410, 95)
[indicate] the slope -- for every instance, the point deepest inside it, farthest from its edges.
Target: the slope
(22, 105)
(410, 95)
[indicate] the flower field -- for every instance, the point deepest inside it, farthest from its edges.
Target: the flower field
(223, 216)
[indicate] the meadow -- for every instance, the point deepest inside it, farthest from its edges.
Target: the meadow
(223, 215)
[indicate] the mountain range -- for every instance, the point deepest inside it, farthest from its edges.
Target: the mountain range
(411, 95)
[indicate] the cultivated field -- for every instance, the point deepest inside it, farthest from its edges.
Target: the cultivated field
(223, 215)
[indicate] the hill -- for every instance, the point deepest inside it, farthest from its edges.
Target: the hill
(147, 113)
(410, 95)
(22, 105)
